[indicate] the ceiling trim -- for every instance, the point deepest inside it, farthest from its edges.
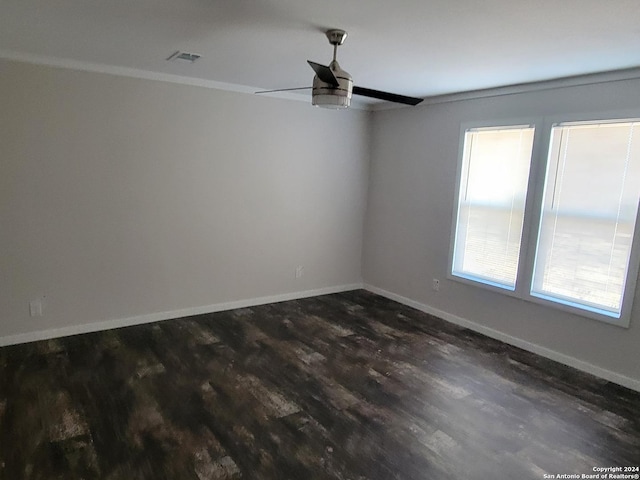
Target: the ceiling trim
(563, 82)
(121, 71)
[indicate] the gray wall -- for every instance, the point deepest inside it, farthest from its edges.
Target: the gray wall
(122, 197)
(409, 216)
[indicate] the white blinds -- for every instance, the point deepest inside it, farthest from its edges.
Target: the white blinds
(495, 172)
(591, 194)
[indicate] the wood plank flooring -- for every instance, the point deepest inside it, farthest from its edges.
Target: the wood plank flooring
(346, 386)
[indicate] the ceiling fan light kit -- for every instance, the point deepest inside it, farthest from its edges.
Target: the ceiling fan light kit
(329, 96)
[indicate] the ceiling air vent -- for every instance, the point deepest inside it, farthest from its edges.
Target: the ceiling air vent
(184, 57)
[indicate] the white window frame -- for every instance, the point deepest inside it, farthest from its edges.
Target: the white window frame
(533, 212)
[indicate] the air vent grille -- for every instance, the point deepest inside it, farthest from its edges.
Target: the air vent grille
(183, 57)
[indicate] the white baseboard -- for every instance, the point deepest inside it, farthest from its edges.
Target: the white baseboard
(218, 307)
(517, 342)
(159, 316)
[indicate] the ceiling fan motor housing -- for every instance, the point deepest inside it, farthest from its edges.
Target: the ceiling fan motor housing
(327, 96)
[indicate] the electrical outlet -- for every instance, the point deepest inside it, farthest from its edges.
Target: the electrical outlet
(299, 271)
(35, 307)
(435, 285)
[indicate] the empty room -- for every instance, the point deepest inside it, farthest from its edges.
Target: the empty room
(291, 240)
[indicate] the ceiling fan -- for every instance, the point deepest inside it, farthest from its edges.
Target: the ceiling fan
(333, 87)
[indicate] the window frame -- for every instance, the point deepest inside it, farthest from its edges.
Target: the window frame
(533, 215)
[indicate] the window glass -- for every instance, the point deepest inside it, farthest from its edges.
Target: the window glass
(590, 205)
(493, 189)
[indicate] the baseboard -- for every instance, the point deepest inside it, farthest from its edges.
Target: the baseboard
(159, 316)
(517, 342)
(218, 307)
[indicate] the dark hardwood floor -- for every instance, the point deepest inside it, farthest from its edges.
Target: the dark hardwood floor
(346, 386)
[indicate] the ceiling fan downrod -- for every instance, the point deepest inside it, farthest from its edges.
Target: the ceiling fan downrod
(336, 37)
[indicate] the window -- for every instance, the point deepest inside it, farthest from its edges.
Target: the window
(589, 213)
(493, 187)
(581, 256)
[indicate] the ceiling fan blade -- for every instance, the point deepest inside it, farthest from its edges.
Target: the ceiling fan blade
(282, 90)
(324, 73)
(389, 97)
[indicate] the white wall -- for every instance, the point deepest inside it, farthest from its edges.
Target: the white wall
(122, 197)
(408, 225)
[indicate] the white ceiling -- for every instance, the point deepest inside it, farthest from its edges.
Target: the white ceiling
(412, 47)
